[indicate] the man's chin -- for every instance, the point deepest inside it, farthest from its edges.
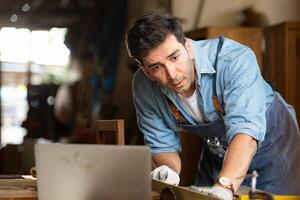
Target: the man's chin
(178, 90)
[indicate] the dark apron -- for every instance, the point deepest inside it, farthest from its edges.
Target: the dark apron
(276, 161)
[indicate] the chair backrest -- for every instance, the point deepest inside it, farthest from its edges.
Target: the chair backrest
(110, 131)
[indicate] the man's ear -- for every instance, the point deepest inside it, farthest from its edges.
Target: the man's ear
(188, 46)
(146, 72)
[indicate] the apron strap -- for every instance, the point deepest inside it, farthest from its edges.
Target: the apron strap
(180, 120)
(216, 102)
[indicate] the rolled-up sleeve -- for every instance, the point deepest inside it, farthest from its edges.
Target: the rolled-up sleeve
(244, 98)
(157, 134)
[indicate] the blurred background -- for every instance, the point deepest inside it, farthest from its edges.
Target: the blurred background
(63, 63)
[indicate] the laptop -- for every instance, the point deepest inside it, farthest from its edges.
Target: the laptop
(92, 172)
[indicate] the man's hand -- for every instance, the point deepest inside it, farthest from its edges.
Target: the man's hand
(215, 191)
(165, 174)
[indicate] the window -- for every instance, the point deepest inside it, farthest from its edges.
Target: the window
(44, 55)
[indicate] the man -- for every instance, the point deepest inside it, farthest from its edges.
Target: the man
(212, 88)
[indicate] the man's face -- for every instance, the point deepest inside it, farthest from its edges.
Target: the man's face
(171, 65)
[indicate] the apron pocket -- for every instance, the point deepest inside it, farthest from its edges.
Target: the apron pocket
(269, 164)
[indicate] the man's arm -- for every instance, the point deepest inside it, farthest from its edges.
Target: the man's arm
(238, 158)
(171, 159)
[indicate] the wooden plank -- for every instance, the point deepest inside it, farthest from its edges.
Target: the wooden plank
(185, 193)
(18, 194)
(283, 61)
(108, 130)
(181, 193)
(106, 125)
(17, 183)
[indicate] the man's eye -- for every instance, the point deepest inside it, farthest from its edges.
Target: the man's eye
(156, 68)
(175, 58)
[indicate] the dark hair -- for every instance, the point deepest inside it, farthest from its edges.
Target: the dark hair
(150, 31)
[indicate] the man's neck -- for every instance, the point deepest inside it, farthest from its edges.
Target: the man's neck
(192, 88)
(190, 91)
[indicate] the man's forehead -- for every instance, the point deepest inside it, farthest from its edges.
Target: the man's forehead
(163, 51)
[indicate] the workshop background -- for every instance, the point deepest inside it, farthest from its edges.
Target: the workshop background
(63, 63)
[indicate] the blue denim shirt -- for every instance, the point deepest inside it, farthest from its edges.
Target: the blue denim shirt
(244, 95)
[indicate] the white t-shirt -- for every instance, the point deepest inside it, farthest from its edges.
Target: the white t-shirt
(191, 104)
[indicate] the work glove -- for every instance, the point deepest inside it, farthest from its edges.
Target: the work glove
(215, 191)
(165, 174)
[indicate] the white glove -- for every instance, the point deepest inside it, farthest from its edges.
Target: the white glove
(215, 191)
(165, 174)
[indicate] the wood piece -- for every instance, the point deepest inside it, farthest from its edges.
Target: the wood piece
(18, 194)
(182, 193)
(17, 183)
(110, 131)
(283, 61)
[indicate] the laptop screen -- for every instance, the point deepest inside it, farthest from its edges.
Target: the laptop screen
(90, 172)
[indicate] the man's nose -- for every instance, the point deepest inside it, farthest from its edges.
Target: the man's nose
(171, 71)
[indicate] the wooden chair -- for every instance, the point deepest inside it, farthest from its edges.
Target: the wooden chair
(110, 131)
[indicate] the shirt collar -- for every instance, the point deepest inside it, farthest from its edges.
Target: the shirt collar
(202, 63)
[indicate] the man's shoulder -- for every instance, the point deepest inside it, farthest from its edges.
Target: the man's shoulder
(231, 51)
(139, 75)
(139, 78)
(230, 48)
(211, 43)
(141, 82)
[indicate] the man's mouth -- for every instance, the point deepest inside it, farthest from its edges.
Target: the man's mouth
(177, 84)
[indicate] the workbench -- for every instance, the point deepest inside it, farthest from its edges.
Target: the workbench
(18, 189)
(26, 190)
(15, 193)
(186, 193)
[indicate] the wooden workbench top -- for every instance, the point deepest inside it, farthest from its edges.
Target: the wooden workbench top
(18, 193)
